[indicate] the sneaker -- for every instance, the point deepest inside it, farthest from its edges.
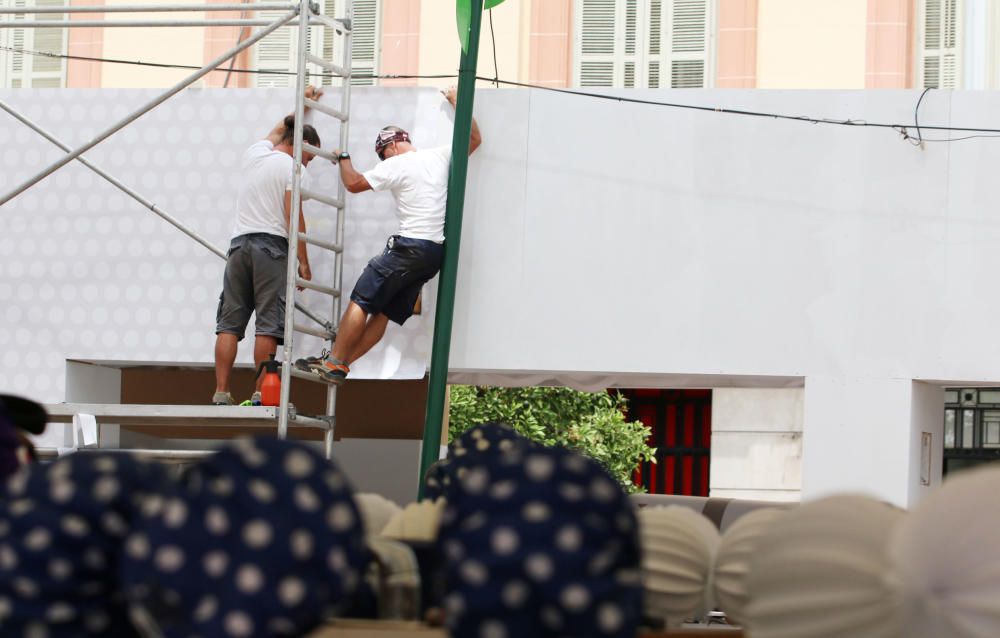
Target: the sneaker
(306, 364)
(255, 398)
(222, 398)
(332, 370)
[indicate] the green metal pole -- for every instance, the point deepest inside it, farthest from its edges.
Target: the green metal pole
(444, 313)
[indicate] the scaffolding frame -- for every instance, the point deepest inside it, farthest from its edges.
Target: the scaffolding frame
(304, 14)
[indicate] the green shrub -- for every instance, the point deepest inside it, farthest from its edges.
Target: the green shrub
(590, 422)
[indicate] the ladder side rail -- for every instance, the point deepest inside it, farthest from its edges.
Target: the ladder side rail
(338, 259)
(293, 217)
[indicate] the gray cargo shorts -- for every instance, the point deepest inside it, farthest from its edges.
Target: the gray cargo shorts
(256, 270)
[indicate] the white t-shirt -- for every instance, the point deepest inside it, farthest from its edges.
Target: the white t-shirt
(418, 181)
(260, 203)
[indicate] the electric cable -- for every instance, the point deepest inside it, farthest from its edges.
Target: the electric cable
(496, 68)
(979, 132)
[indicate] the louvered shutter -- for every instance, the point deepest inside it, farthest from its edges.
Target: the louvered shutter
(940, 54)
(278, 50)
(275, 53)
(24, 70)
(365, 40)
(642, 43)
(688, 43)
(596, 56)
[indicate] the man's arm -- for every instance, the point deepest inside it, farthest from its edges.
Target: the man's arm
(304, 271)
(476, 138)
(278, 132)
(354, 181)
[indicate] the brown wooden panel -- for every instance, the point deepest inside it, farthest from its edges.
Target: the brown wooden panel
(365, 408)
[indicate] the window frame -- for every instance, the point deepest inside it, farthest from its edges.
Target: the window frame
(921, 37)
(642, 57)
(27, 77)
(316, 47)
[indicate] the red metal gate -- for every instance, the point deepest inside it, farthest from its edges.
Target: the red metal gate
(681, 423)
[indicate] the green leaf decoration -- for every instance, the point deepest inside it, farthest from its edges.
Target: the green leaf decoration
(463, 15)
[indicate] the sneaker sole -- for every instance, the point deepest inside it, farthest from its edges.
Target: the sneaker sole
(335, 378)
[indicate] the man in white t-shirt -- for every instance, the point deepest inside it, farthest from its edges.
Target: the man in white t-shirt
(254, 281)
(390, 285)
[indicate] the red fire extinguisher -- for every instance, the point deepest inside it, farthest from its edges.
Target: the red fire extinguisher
(270, 389)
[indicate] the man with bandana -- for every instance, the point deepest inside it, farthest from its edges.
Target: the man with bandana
(390, 285)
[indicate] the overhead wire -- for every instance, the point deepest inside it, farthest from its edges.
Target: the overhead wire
(496, 67)
(978, 132)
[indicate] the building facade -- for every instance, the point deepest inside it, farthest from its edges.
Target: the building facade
(778, 44)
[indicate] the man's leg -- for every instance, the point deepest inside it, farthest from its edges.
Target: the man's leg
(225, 356)
(372, 334)
(349, 333)
(263, 347)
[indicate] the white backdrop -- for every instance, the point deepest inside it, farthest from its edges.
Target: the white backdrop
(88, 273)
(606, 239)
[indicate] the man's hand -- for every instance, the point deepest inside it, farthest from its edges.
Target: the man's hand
(312, 93)
(305, 273)
(451, 94)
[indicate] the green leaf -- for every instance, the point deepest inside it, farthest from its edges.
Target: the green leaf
(491, 3)
(463, 14)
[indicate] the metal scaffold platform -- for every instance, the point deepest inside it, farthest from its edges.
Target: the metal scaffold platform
(305, 15)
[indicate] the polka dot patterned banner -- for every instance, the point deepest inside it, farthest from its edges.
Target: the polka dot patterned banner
(88, 273)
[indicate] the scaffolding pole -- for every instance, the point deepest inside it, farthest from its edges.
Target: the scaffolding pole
(160, 99)
(153, 8)
(70, 24)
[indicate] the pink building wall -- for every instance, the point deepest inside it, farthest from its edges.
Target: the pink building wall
(551, 43)
(218, 40)
(89, 42)
(400, 53)
(736, 45)
(889, 50)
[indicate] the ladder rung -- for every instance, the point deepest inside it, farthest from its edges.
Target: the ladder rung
(324, 199)
(334, 24)
(329, 245)
(326, 290)
(329, 66)
(316, 332)
(329, 110)
(315, 150)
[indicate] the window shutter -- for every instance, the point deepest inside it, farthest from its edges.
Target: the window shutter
(365, 40)
(643, 43)
(940, 53)
(277, 51)
(597, 42)
(274, 53)
(25, 70)
(688, 43)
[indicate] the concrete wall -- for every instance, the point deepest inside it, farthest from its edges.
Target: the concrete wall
(757, 443)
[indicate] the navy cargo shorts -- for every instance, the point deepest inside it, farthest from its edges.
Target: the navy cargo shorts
(391, 282)
(256, 271)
